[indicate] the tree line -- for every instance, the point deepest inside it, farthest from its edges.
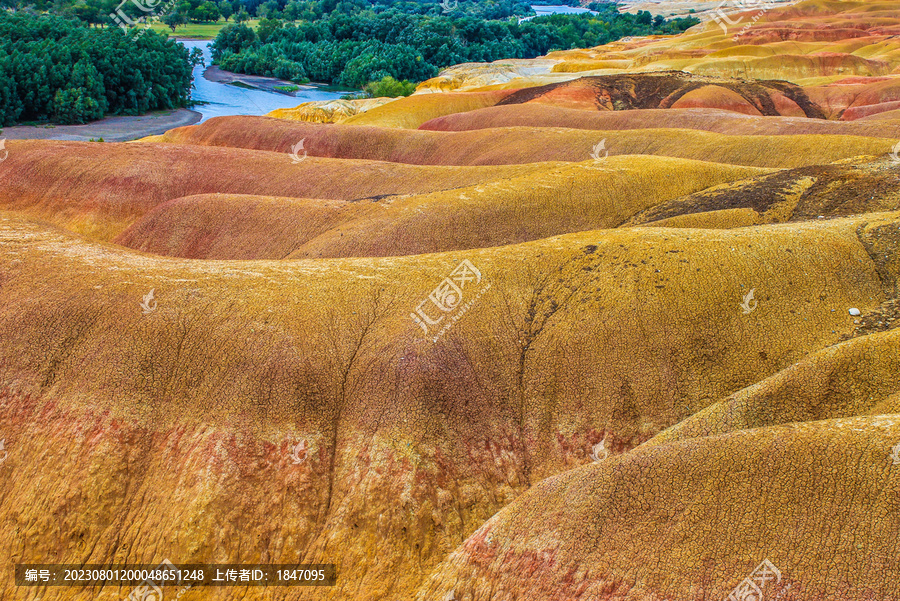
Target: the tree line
(97, 12)
(354, 44)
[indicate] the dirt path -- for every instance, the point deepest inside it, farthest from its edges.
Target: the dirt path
(111, 129)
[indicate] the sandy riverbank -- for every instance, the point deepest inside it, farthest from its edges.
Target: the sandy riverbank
(268, 84)
(111, 129)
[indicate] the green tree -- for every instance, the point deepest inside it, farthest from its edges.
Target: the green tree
(266, 28)
(75, 105)
(226, 10)
(205, 12)
(389, 87)
(233, 39)
(268, 10)
(93, 12)
(11, 105)
(174, 19)
(292, 10)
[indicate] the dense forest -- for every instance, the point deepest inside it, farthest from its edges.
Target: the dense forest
(57, 69)
(177, 12)
(73, 61)
(356, 42)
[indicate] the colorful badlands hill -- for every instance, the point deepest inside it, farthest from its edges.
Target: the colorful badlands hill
(814, 42)
(647, 383)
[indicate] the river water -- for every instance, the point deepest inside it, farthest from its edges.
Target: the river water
(225, 99)
(544, 10)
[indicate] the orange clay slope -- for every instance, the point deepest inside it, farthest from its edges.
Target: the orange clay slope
(855, 378)
(407, 112)
(840, 189)
(511, 211)
(618, 192)
(516, 145)
(697, 519)
(100, 189)
(826, 425)
(714, 120)
(192, 409)
(246, 227)
(562, 198)
(329, 111)
(848, 99)
(672, 89)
